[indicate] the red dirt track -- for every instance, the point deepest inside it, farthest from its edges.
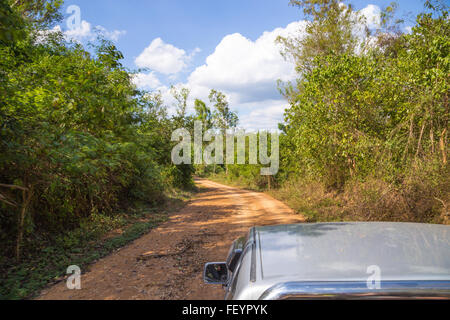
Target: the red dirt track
(167, 263)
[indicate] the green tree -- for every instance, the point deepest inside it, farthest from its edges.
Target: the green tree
(203, 113)
(329, 30)
(224, 118)
(181, 96)
(39, 14)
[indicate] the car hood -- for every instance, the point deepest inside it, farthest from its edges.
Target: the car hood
(352, 252)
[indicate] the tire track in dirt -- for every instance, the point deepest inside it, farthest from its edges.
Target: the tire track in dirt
(167, 263)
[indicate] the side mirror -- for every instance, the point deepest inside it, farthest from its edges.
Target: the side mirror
(235, 253)
(215, 273)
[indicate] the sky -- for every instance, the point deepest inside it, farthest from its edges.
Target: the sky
(226, 45)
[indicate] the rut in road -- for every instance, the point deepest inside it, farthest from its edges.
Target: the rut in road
(167, 263)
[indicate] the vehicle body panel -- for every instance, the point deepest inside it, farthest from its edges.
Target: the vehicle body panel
(408, 254)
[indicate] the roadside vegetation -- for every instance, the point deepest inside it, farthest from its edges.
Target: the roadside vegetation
(365, 136)
(82, 151)
(85, 156)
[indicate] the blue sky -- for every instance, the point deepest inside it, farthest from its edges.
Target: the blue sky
(202, 44)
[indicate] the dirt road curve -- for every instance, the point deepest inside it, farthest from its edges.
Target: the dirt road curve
(200, 232)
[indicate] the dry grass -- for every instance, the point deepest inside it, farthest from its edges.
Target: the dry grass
(371, 200)
(420, 195)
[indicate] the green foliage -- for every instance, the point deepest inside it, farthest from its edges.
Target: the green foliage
(353, 110)
(181, 96)
(223, 117)
(367, 125)
(80, 246)
(11, 24)
(330, 30)
(18, 15)
(337, 133)
(78, 141)
(203, 113)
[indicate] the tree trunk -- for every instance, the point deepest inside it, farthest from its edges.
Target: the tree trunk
(26, 198)
(432, 136)
(410, 137)
(442, 146)
(419, 143)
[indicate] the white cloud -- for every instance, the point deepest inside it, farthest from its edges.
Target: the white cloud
(247, 72)
(42, 35)
(264, 115)
(85, 32)
(111, 35)
(146, 80)
(372, 13)
(247, 69)
(78, 34)
(164, 58)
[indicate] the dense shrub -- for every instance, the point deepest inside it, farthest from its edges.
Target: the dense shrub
(77, 139)
(365, 136)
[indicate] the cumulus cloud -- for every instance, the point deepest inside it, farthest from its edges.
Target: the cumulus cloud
(245, 70)
(264, 115)
(111, 35)
(164, 58)
(146, 80)
(80, 33)
(372, 13)
(84, 32)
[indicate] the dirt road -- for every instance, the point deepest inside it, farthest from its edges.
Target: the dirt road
(167, 263)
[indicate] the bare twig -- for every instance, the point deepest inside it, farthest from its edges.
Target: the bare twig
(442, 146)
(7, 201)
(445, 213)
(443, 203)
(26, 198)
(419, 143)
(12, 186)
(410, 137)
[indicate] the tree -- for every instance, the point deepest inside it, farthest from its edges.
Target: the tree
(181, 96)
(203, 113)
(336, 121)
(424, 66)
(40, 14)
(77, 138)
(223, 117)
(11, 24)
(329, 30)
